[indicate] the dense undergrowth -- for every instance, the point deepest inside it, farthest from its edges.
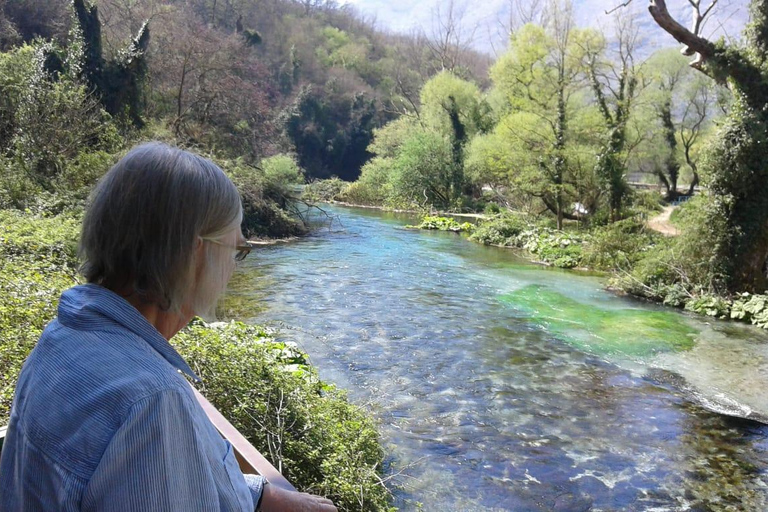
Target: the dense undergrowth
(266, 388)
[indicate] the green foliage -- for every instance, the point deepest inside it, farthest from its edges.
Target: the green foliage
(647, 202)
(751, 308)
(444, 224)
(118, 83)
(558, 248)
(323, 191)
(709, 305)
(491, 160)
(281, 173)
(373, 187)
(266, 197)
(618, 246)
(502, 230)
(37, 262)
(388, 139)
(423, 171)
(309, 430)
(436, 102)
(42, 153)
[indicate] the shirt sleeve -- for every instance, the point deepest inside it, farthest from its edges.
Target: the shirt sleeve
(256, 486)
(158, 461)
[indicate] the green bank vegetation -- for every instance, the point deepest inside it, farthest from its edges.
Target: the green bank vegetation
(571, 118)
(308, 429)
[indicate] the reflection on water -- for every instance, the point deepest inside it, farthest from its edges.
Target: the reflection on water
(486, 395)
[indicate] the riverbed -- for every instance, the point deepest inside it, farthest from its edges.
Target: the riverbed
(502, 385)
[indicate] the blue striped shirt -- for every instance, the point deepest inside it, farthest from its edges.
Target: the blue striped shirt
(103, 419)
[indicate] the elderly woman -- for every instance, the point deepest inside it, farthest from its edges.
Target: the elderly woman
(103, 418)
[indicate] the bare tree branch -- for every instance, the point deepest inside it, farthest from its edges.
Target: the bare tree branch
(620, 6)
(693, 42)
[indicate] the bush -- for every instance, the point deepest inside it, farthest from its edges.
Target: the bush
(444, 224)
(281, 174)
(618, 246)
(37, 262)
(548, 245)
(500, 230)
(309, 430)
(373, 187)
(323, 191)
(263, 215)
(646, 201)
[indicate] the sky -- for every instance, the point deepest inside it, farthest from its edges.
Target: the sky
(485, 18)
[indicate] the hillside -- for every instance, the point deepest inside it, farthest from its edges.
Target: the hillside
(252, 79)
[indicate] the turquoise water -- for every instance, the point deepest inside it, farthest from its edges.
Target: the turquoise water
(501, 385)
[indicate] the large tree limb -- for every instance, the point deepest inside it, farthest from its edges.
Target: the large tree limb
(693, 42)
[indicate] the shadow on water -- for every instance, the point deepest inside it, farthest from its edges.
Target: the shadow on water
(501, 385)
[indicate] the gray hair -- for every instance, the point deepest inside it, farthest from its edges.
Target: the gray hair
(141, 227)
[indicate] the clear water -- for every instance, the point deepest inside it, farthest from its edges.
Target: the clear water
(501, 385)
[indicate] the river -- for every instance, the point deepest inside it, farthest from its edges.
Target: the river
(501, 385)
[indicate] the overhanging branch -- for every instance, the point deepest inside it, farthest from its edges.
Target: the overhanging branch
(693, 42)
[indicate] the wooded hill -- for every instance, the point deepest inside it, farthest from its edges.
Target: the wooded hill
(242, 78)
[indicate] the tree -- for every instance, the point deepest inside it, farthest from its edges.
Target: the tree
(455, 109)
(423, 172)
(540, 77)
(213, 87)
(450, 39)
(737, 217)
(682, 101)
(614, 84)
(118, 82)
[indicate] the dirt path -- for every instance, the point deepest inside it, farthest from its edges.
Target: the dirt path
(661, 222)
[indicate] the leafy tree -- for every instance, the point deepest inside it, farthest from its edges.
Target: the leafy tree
(455, 108)
(117, 82)
(615, 86)
(331, 131)
(422, 173)
(737, 217)
(540, 77)
(682, 102)
(46, 108)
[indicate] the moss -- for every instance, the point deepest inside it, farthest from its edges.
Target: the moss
(627, 332)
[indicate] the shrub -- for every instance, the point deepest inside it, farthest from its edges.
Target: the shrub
(309, 430)
(618, 246)
(263, 215)
(709, 305)
(281, 173)
(499, 230)
(444, 224)
(37, 262)
(751, 308)
(373, 186)
(323, 191)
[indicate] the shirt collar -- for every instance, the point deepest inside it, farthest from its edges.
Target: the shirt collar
(83, 304)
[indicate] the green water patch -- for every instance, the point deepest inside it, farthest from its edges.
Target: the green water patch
(629, 332)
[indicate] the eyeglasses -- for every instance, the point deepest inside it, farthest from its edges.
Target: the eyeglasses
(242, 250)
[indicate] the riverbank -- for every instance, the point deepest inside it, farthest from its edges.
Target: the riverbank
(624, 251)
(414, 212)
(329, 446)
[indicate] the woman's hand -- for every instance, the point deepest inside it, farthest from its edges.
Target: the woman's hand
(276, 499)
